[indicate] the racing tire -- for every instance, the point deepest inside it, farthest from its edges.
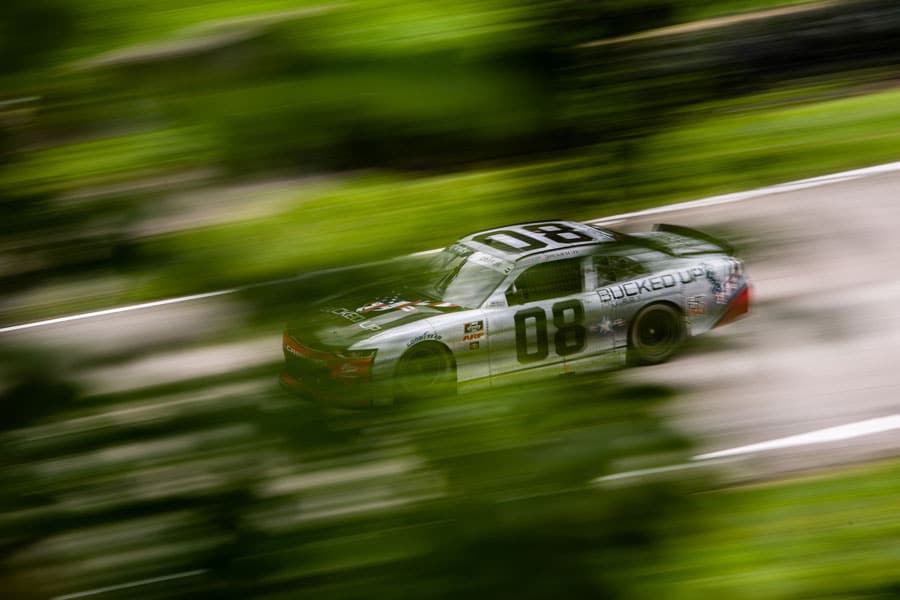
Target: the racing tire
(657, 332)
(425, 371)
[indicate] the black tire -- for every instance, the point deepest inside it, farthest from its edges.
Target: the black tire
(425, 371)
(656, 333)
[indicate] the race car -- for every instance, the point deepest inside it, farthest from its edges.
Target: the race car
(528, 300)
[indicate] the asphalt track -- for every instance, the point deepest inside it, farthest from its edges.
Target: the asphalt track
(820, 352)
(818, 361)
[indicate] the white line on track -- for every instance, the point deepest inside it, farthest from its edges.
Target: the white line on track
(819, 436)
(712, 201)
(155, 303)
(131, 584)
(642, 472)
(765, 191)
(113, 311)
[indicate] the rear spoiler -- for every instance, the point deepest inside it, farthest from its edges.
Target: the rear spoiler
(694, 234)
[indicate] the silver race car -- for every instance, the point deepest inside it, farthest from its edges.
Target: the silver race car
(529, 300)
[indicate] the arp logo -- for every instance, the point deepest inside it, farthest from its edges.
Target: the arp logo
(474, 327)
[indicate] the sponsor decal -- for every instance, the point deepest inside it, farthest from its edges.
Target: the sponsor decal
(726, 292)
(474, 327)
(723, 291)
(304, 354)
(648, 285)
(473, 331)
(558, 254)
(607, 326)
(423, 337)
(716, 286)
(632, 290)
(353, 317)
(347, 314)
(696, 305)
(474, 346)
(382, 305)
(492, 262)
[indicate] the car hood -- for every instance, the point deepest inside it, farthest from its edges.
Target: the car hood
(341, 322)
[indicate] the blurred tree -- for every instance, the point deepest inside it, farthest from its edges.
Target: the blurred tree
(31, 31)
(367, 85)
(488, 495)
(506, 507)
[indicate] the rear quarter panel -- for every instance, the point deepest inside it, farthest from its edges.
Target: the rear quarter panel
(718, 279)
(700, 287)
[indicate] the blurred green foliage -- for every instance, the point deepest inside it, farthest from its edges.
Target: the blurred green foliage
(495, 108)
(157, 148)
(487, 494)
(31, 32)
(833, 535)
(235, 490)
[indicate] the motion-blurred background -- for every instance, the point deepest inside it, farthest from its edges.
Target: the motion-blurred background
(159, 149)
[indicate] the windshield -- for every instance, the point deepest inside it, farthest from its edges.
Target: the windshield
(464, 277)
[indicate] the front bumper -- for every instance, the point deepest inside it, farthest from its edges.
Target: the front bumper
(356, 395)
(325, 376)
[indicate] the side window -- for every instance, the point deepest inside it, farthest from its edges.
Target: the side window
(547, 280)
(611, 269)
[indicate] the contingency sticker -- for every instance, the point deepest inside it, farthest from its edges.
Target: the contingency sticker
(473, 331)
(696, 305)
(492, 262)
(474, 327)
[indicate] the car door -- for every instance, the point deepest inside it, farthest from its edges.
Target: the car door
(546, 319)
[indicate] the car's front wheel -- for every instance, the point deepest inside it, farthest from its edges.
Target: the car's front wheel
(425, 371)
(656, 333)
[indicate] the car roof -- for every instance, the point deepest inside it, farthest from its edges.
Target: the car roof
(499, 241)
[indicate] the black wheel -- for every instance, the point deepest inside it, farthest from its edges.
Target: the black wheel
(657, 332)
(425, 371)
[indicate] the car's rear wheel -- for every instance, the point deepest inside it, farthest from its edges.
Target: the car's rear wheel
(425, 371)
(656, 333)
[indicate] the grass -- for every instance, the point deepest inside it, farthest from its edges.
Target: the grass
(733, 152)
(835, 535)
